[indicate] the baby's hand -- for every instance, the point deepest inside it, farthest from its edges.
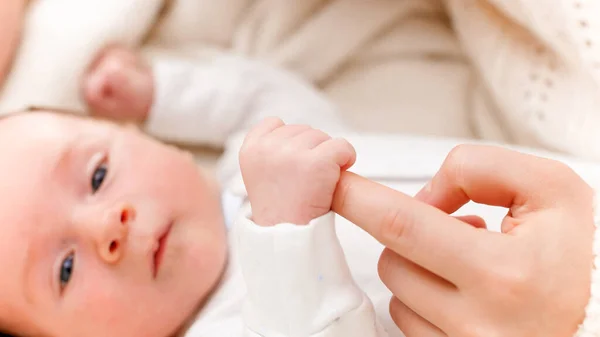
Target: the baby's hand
(119, 85)
(291, 171)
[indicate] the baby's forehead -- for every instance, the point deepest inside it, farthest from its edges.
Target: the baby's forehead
(34, 131)
(55, 117)
(47, 126)
(31, 145)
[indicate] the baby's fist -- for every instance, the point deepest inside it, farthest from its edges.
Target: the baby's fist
(119, 85)
(291, 171)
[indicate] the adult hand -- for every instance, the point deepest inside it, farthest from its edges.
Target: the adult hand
(450, 278)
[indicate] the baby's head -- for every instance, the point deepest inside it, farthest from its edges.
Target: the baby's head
(103, 231)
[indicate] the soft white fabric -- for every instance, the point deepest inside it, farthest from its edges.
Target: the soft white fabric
(540, 62)
(523, 71)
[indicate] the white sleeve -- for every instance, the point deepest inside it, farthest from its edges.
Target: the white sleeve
(204, 103)
(299, 283)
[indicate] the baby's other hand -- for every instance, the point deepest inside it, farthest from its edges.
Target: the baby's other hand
(291, 171)
(119, 85)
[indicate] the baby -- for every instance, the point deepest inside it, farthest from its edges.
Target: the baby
(131, 237)
(109, 233)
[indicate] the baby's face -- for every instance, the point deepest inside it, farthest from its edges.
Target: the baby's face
(103, 231)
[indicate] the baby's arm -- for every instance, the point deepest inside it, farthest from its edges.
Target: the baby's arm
(297, 278)
(201, 103)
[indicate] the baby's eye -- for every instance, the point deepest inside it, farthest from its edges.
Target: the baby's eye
(98, 177)
(66, 270)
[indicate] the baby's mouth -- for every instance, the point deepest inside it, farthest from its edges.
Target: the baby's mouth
(160, 250)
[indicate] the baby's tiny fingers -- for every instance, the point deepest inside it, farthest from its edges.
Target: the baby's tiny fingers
(288, 131)
(265, 127)
(310, 138)
(340, 150)
(411, 324)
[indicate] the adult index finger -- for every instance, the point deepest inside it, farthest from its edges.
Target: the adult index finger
(419, 232)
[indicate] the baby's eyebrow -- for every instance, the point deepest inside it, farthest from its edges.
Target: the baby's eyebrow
(63, 156)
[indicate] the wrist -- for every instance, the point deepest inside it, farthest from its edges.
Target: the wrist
(271, 216)
(270, 220)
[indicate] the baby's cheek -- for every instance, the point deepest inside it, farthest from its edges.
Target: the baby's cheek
(102, 300)
(213, 247)
(105, 312)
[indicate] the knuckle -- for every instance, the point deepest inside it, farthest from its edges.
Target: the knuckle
(564, 181)
(558, 166)
(272, 121)
(343, 146)
(393, 308)
(348, 145)
(402, 318)
(455, 161)
(321, 134)
(459, 153)
(396, 227)
(511, 282)
(384, 263)
(113, 64)
(557, 172)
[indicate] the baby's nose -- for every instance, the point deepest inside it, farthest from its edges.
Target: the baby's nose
(112, 238)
